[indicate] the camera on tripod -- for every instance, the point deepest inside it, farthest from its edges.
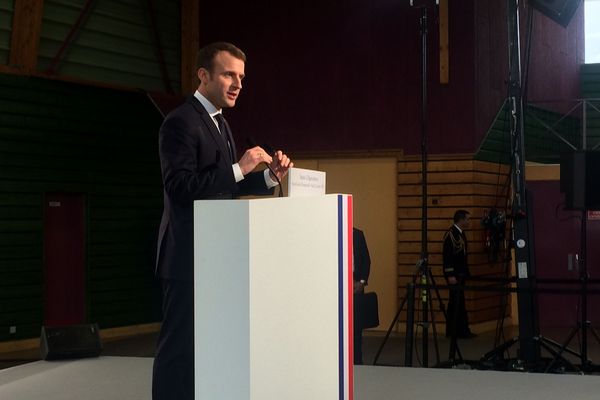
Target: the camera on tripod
(494, 223)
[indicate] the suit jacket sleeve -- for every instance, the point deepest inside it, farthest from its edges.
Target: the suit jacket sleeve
(194, 168)
(254, 184)
(448, 256)
(362, 259)
(186, 177)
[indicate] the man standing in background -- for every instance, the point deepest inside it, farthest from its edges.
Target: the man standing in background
(198, 161)
(362, 269)
(456, 271)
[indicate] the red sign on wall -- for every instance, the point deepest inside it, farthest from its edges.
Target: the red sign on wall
(593, 215)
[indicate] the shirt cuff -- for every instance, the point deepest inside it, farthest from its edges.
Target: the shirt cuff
(237, 172)
(268, 180)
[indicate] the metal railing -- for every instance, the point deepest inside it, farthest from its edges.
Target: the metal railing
(581, 110)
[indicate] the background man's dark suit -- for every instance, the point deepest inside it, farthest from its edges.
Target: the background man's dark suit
(196, 164)
(456, 265)
(362, 268)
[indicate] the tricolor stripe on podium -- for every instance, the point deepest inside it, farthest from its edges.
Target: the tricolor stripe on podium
(345, 256)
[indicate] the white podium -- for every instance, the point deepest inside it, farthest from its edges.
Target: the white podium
(273, 299)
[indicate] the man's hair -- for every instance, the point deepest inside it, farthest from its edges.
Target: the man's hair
(460, 215)
(206, 55)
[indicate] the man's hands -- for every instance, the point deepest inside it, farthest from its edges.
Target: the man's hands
(252, 157)
(280, 163)
(452, 280)
(358, 287)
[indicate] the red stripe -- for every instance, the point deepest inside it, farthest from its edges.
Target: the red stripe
(350, 304)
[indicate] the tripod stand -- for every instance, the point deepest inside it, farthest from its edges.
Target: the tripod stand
(583, 324)
(499, 335)
(425, 278)
(531, 343)
(521, 228)
(423, 274)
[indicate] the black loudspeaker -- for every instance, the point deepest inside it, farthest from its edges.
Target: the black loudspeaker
(592, 180)
(560, 11)
(74, 341)
(579, 175)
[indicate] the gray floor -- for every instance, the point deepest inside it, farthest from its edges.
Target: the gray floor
(124, 372)
(128, 378)
(138, 346)
(472, 350)
(391, 355)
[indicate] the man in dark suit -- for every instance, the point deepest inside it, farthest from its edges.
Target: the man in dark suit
(362, 268)
(456, 271)
(198, 161)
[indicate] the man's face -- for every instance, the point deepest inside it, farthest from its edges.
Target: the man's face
(465, 222)
(223, 84)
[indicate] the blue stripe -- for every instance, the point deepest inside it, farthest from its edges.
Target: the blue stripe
(341, 291)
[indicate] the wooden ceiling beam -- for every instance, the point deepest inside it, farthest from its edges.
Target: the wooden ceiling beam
(25, 37)
(444, 43)
(190, 43)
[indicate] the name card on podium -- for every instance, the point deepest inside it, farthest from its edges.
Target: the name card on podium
(273, 299)
(306, 182)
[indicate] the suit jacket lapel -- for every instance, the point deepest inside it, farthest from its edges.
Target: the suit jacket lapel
(214, 132)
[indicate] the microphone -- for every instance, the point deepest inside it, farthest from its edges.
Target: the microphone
(252, 143)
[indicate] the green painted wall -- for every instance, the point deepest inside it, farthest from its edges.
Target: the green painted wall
(115, 44)
(590, 88)
(62, 137)
(590, 80)
(540, 144)
(6, 13)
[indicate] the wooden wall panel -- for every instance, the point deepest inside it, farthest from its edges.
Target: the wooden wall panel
(454, 183)
(351, 81)
(371, 179)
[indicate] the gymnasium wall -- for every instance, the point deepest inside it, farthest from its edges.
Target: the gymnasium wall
(58, 137)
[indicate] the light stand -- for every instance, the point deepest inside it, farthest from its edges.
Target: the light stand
(583, 324)
(423, 262)
(423, 274)
(531, 342)
(529, 351)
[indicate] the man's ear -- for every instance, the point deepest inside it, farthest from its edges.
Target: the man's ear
(203, 74)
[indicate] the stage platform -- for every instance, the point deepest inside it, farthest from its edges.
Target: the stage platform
(129, 378)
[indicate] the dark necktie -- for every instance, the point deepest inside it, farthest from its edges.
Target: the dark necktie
(225, 134)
